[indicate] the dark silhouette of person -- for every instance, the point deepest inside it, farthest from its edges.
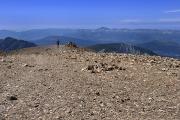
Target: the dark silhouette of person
(57, 43)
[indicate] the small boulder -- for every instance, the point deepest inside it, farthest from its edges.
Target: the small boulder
(97, 93)
(12, 98)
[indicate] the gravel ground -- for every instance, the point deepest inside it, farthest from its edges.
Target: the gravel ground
(72, 84)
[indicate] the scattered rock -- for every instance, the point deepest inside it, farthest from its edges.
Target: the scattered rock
(102, 67)
(71, 45)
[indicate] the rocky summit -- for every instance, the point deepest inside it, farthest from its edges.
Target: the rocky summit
(46, 83)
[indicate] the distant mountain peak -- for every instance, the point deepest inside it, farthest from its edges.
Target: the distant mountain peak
(10, 38)
(103, 29)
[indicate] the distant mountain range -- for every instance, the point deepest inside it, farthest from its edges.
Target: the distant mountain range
(51, 40)
(101, 35)
(9, 44)
(35, 34)
(120, 48)
(154, 40)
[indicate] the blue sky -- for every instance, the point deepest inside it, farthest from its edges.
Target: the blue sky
(28, 14)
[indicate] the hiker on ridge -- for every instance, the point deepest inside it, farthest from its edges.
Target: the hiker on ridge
(57, 43)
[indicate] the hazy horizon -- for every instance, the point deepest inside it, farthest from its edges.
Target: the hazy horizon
(88, 28)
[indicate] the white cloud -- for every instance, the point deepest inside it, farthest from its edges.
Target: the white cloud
(131, 21)
(170, 20)
(173, 11)
(150, 22)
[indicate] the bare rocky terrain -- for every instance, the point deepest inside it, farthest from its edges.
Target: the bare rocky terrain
(73, 84)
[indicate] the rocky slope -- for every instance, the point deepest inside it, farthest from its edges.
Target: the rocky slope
(72, 84)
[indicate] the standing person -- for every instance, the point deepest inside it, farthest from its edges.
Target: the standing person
(57, 43)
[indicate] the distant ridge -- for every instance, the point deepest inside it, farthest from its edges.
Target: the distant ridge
(10, 43)
(164, 48)
(120, 48)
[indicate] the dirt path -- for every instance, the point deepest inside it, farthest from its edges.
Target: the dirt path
(66, 84)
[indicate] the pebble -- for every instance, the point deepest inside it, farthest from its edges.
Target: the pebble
(2, 108)
(83, 69)
(25, 65)
(164, 69)
(2, 60)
